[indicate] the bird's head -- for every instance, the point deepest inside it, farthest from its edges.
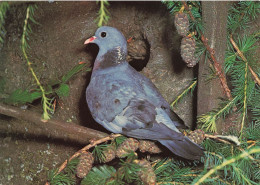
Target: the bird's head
(109, 39)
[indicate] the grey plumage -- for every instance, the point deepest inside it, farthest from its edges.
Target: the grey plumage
(124, 101)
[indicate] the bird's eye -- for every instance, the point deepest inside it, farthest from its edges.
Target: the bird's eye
(103, 34)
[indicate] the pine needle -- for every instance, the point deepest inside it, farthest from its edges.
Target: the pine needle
(184, 93)
(208, 120)
(103, 13)
(47, 106)
(225, 163)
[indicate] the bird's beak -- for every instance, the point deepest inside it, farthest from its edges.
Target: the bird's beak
(90, 40)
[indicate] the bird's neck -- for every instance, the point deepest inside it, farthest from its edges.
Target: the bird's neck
(110, 58)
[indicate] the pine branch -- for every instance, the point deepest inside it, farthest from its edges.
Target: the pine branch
(171, 171)
(103, 13)
(241, 14)
(209, 119)
(47, 106)
(225, 163)
(63, 178)
(224, 139)
(245, 101)
(240, 53)
(172, 5)
(87, 147)
(184, 93)
(216, 65)
(99, 175)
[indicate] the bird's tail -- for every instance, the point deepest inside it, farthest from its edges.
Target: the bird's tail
(184, 148)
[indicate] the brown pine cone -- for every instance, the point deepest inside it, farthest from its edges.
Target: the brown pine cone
(182, 24)
(193, 62)
(85, 164)
(197, 136)
(188, 47)
(149, 146)
(128, 145)
(109, 153)
(147, 174)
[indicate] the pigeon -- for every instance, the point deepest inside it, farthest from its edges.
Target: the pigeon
(124, 101)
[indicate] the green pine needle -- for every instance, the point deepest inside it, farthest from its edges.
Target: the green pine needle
(4, 6)
(119, 140)
(98, 152)
(241, 14)
(103, 13)
(47, 107)
(172, 171)
(208, 120)
(227, 162)
(173, 6)
(60, 179)
(128, 170)
(184, 93)
(99, 175)
(65, 177)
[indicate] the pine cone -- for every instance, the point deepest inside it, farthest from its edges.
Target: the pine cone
(188, 47)
(197, 136)
(109, 153)
(147, 174)
(85, 164)
(129, 144)
(149, 146)
(182, 24)
(193, 62)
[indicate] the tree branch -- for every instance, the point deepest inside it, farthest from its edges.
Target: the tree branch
(240, 53)
(217, 65)
(70, 131)
(87, 147)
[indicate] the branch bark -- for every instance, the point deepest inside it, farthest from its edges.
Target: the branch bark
(70, 131)
(213, 6)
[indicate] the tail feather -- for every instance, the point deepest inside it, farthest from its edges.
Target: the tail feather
(184, 148)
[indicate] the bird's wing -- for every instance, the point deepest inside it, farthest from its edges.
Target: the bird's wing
(143, 120)
(153, 94)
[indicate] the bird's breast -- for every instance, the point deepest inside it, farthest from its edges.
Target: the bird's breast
(107, 96)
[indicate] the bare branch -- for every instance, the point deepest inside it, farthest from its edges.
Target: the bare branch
(71, 131)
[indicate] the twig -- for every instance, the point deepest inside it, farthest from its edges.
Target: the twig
(217, 65)
(215, 154)
(256, 79)
(183, 93)
(70, 131)
(240, 53)
(250, 156)
(217, 138)
(87, 147)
